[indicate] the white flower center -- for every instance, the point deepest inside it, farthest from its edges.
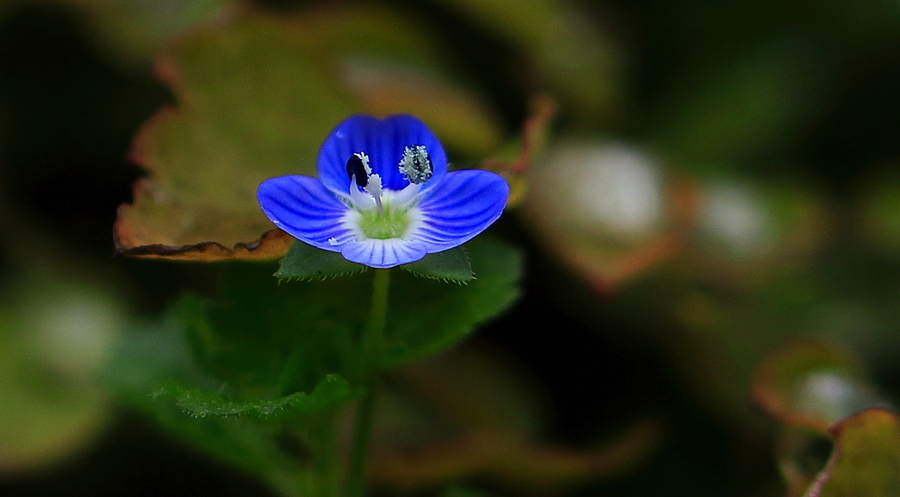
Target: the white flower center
(380, 213)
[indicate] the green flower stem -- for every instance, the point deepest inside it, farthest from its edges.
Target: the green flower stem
(372, 343)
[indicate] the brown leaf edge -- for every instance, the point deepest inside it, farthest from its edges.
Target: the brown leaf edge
(273, 244)
(770, 394)
(535, 132)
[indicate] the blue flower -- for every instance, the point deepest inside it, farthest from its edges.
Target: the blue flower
(384, 196)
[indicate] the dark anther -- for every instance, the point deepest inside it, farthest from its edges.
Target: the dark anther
(356, 168)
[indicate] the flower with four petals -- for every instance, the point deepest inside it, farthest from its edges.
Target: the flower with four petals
(384, 196)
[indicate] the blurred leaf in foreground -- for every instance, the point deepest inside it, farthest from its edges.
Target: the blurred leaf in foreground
(808, 388)
(58, 319)
(51, 344)
(865, 460)
(813, 386)
(605, 208)
(748, 233)
(228, 135)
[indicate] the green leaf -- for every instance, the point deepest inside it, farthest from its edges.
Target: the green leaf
(426, 316)
(228, 134)
(450, 265)
(202, 403)
(865, 459)
(158, 354)
(305, 262)
(246, 355)
(257, 448)
(148, 354)
(286, 337)
(280, 337)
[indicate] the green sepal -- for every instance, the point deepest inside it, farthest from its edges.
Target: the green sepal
(449, 265)
(331, 391)
(305, 262)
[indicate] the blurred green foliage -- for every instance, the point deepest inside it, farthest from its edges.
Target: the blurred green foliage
(278, 354)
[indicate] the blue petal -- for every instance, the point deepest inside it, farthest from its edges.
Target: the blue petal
(304, 208)
(463, 205)
(383, 140)
(383, 253)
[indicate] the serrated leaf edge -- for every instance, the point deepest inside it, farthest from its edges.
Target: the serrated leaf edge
(324, 277)
(251, 412)
(418, 274)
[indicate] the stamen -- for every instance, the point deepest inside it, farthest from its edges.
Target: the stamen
(374, 189)
(415, 164)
